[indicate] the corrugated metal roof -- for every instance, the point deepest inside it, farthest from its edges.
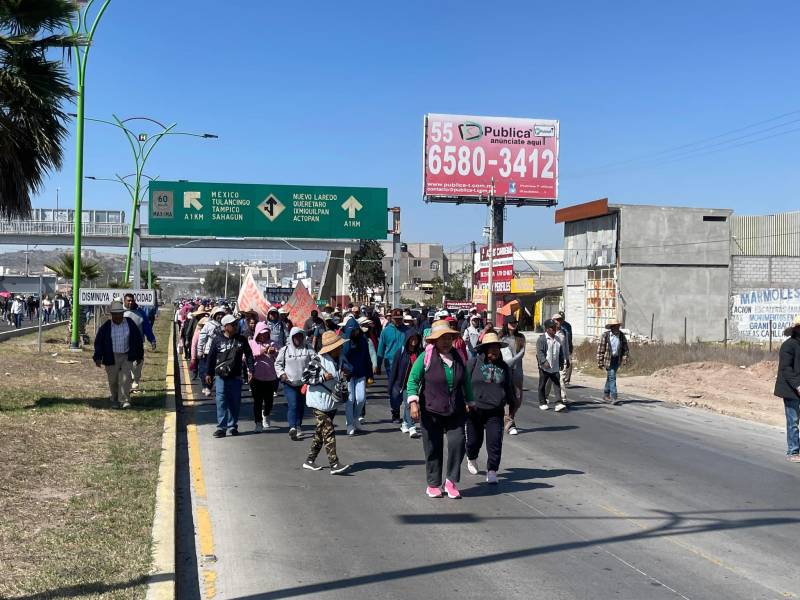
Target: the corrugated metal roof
(766, 235)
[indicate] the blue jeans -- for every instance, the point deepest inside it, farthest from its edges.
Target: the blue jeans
(229, 400)
(202, 370)
(356, 399)
(295, 405)
(407, 413)
(18, 320)
(792, 408)
(611, 378)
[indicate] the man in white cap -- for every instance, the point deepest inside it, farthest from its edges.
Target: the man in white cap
(787, 386)
(117, 346)
(472, 334)
(278, 332)
(228, 349)
(566, 371)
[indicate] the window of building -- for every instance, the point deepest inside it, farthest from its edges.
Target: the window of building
(416, 263)
(714, 218)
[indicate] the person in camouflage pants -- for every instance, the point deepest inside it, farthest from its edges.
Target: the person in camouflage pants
(324, 436)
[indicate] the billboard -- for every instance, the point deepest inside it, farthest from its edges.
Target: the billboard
(463, 154)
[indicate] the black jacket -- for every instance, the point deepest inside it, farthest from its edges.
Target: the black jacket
(230, 352)
(788, 381)
(104, 349)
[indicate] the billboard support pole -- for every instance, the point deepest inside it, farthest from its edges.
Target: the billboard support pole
(490, 291)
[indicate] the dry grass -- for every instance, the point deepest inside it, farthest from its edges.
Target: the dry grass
(77, 486)
(646, 359)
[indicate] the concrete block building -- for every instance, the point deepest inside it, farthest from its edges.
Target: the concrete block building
(649, 266)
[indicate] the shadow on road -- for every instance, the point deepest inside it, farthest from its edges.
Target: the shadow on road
(672, 524)
(386, 465)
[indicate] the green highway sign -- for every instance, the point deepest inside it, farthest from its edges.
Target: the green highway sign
(273, 211)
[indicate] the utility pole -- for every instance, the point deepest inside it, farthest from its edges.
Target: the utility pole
(472, 273)
(395, 231)
(225, 295)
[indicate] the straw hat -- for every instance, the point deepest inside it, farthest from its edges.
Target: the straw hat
(200, 312)
(488, 340)
(790, 329)
(613, 322)
(330, 341)
(440, 328)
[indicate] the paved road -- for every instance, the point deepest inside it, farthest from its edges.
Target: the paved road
(641, 501)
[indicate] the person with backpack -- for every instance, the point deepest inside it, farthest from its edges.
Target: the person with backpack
(227, 353)
(292, 361)
(323, 379)
(358, 366)
(492, 390)
(438, 393)
(264, 382)
(207, 334)
(398, 378)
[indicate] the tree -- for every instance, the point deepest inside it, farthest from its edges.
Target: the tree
(90, 270)
(366, 268)
(156, 282)
(33, 90)
(214, 282)
(453, 288)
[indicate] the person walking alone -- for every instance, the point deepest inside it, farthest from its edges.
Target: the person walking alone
(612, 352)
(291, 363)
(472, 334)
(322, 376)
(492, 390)
(228, 351)
(398, 378)
(142, 321)
(514, 353)
(117, 345)
(787, 386)
(565, 372)
(265, 380)
(550, 357)
(438, 392)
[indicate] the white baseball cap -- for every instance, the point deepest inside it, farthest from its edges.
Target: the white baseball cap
(228, 319)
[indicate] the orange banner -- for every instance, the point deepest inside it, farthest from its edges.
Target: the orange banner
(251, 297)
(300, 305)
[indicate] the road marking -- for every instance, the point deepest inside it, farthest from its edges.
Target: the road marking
(202, 518)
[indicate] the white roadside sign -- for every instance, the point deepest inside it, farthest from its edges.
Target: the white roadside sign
(103, 297)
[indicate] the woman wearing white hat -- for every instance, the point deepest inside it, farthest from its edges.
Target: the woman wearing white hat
(438, 392)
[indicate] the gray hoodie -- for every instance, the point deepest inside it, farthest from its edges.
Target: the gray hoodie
(292, 361)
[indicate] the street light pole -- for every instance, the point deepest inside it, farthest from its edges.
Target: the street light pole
(81, 57)
(490, 294)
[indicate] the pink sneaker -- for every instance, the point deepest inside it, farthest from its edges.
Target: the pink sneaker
(433, 492)
(452, 490)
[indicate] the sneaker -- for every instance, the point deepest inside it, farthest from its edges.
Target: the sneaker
(491, 477)
(259, 428)
(219, 433)
(126, 405)
(433, 492)
(116, 405)
(413, 433)
(362, 420)
(543, 407)
(234, 431)
(265, 423)
(606, 398)
(339, 468)
(396, 417)
(560, 406)
(513, 431)
(134, 386)
(793, 458)
(615, 402)
(472, 467)
(299, 432)
(311, 466)
(404, 428)
(351, 431)
(293, 433)
(452, 490)
(206, 392)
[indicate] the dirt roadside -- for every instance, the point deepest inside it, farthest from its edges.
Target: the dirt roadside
(745, 393)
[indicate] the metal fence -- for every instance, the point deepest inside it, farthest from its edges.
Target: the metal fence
(63, 228)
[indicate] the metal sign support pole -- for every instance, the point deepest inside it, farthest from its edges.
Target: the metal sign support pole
(395, 256)
(490, 291)
(41, 307)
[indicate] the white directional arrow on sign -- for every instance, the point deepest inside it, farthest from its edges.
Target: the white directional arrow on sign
(351, 205)
(192, 200)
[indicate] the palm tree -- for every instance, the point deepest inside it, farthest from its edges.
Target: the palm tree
(33, 90)
(63, 268)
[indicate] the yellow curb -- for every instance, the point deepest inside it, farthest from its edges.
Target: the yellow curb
(162, 578)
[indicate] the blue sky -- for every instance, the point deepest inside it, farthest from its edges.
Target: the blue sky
(335, 93)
